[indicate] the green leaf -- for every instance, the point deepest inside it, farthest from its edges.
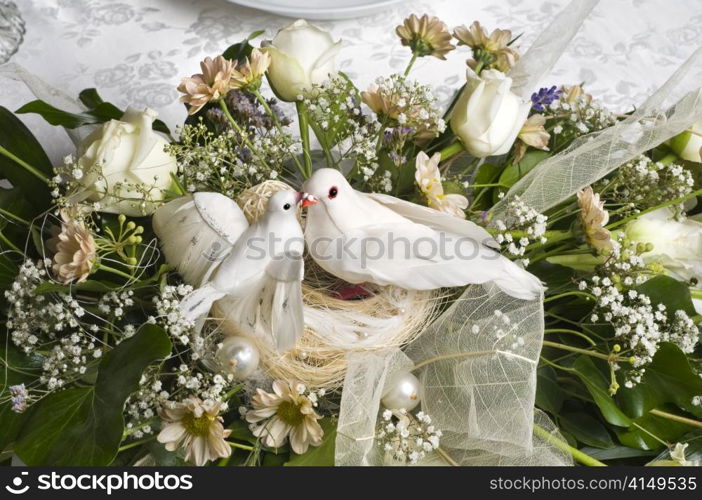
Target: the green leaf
(241, 432)
(516, 171)
(18, 140)
(674, 294)
(668, 379)
(98, 112)
(8, 272)
(662, 428)
(549, 396)
(598, 387)
(586, 429)
(238, 51)
(84, 425)
(322, 455)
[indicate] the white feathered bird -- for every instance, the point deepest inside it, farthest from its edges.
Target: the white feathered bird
(369, 237)
(261, 274)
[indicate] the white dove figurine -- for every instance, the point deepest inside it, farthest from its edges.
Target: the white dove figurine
(263, 274)
(364, 237)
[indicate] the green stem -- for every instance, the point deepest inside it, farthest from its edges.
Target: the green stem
(410, 64)
(112, 270)
(240, 446)
(569, 294)
(587, 352)
(305, 138)
(696, 293)
(134, 444)
(7, 242)
(563, 446)
(571, 332)
(676, 201)
(676, 418)
(14, 217)
(241, 132)
(451, 150)
(24, 165)
(277, 123)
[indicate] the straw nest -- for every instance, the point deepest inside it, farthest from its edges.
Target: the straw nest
(334, 327)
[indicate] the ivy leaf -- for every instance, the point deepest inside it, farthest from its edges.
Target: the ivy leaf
(322, 455)
(549, 396)
(84, 425)
(18, 140)
(238, 51)
(598, 387)
(586, 429)
(673, 294)
(98, 112)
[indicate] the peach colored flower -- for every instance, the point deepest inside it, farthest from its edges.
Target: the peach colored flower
(210, 85)
(195, 426)
(74, 250)
(493, 47)
(532, 134)
(426, 36)
(248, 75)
(594, 218)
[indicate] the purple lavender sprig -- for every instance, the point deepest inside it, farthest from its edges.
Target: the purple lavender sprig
(544, 97)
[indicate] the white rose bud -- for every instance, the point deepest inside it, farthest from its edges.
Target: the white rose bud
(688, 144)
(488, 116)
(125, 166)
(677, 246)
(301, 55)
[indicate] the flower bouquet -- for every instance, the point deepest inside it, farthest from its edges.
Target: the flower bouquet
(320, 275)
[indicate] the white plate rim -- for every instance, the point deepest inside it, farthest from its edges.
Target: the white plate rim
(301, 11)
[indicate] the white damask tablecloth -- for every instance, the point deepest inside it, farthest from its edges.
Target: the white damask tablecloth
(135, 51)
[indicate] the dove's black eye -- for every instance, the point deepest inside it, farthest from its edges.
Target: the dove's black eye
(333, 192)
(286, 206)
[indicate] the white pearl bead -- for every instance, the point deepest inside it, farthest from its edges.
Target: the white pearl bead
(238, 356)
(404, 393)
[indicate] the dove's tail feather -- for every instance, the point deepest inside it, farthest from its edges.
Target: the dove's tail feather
(518, 282)
(271, 312)
(198, 302)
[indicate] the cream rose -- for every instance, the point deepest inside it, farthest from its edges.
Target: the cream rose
(301, 55)
(488, 116)
(688, 145)
(677, 245)
(125, 166)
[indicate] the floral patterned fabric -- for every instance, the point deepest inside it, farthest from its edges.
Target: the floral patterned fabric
(135, 51)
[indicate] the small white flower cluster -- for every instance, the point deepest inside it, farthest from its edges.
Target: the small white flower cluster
(407, 438)
(642, 183)
(50, 323)
(636, 321)
(311, 394)
(696, 401)
(529, 224)
(576, 114)
(18, 398)
(220, 162)
(169, 315)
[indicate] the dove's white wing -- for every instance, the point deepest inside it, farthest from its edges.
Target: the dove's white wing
(433, 218)
(197, 232)
(281, 306)
(416, 257)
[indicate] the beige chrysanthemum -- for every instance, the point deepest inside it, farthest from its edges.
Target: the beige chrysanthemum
(426, 36)
(195, 426)
(210, 85)
(491, 50)
(594, 218)
(572, 94)
(534, 134)
(383, 104)
(249, 74)
(74, 250)
(285, 414)
(428, 179)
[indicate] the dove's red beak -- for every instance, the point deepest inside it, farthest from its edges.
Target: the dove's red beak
(307, 199)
